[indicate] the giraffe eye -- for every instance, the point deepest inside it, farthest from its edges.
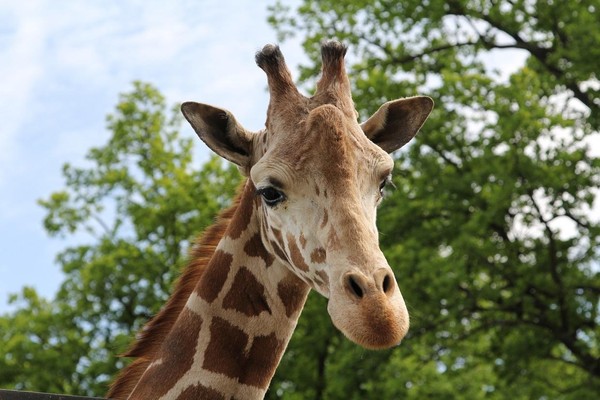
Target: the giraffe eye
(383, 184)
(271, 196)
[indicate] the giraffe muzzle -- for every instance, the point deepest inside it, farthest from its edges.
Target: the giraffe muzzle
(369, 309)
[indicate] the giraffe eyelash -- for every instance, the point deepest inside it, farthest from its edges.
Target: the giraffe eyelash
(386, 182)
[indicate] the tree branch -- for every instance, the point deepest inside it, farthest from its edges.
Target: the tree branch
(540, 53)
(567, 335)
(554, 264)
(575, 219)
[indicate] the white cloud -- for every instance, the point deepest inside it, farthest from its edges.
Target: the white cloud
(20, 70)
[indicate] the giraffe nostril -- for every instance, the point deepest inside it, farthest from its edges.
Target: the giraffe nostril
(384, 281)
(386, 284)
(354, 287)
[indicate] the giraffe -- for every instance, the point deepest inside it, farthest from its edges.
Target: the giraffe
(303, 219)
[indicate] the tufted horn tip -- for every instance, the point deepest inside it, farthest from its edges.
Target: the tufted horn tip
(332, 50)
(281, 85)
(270, 55)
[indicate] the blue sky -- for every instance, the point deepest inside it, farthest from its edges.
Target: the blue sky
(64, 64)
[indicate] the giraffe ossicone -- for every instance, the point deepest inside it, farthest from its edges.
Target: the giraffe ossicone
(304, 219)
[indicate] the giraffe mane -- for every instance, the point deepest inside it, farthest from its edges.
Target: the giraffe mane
(152, 335)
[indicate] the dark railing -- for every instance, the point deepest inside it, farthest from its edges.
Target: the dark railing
(15, 395)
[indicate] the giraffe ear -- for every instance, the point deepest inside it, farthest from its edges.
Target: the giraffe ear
(397, 122)
(220, 131)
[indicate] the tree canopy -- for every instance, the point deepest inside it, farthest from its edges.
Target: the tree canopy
(492, 228)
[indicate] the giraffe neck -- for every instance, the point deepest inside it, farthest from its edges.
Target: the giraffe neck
(236, 324)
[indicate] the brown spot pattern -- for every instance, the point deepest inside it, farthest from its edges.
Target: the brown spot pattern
(293, 294)
(296, 255)
(333, 240)
(242, 217)
(278, 244)
(213, 279)
(325, 219)
(226, 354)
(324, 278)
(318, 255)
(277, 249)
(262, 360)
(278, 236)
(200, 392)
(246, 295)
(255, 248)
(177, 355)
(302, 241)
(225, 349)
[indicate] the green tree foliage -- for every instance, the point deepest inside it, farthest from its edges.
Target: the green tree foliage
(134, 208)
(490, 228)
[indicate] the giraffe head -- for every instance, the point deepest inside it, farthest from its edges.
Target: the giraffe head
(319, 177)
